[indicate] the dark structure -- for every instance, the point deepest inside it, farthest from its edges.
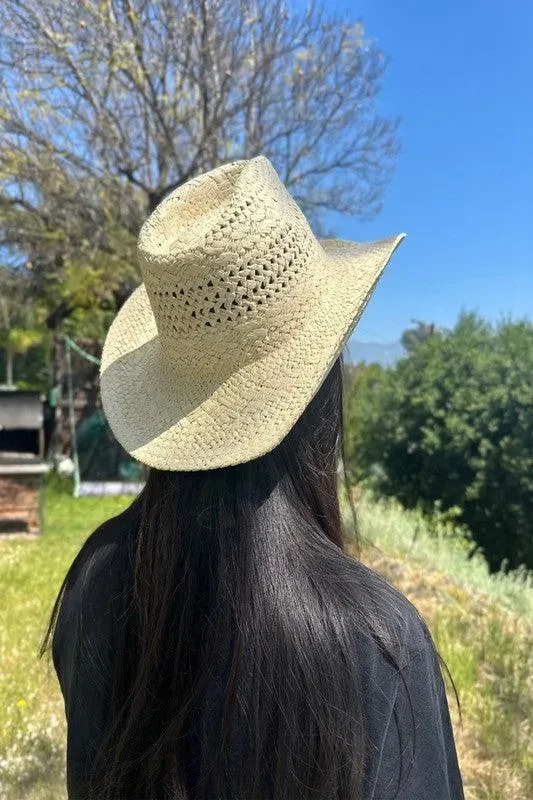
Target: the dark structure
(21, 462)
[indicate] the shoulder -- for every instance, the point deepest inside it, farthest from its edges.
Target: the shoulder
(392, 622)
(392, 644)
(411, 751)
(404, 669)
(95, 580)
(110, 542)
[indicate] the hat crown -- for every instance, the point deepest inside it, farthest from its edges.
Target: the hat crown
(221, 257)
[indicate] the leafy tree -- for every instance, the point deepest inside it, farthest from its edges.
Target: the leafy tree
(363, 388)
(19, 328)
(17, 341)
(453, 422)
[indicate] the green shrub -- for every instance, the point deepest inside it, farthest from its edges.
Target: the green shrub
(453, 423)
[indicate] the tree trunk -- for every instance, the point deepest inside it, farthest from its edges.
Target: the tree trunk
(55, 445)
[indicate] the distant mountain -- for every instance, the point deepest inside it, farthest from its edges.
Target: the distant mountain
(374, 353)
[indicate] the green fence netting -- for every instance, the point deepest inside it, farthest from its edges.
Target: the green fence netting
(101, 465)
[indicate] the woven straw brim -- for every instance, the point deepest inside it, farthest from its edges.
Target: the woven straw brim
(170, 423)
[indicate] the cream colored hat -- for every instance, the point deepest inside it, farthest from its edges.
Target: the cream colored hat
(242, 313)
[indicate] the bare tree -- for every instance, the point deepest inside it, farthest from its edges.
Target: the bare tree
(107, 105)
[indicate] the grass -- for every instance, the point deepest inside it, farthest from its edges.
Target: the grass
(480, 625)
(32, 727)
(405, 535)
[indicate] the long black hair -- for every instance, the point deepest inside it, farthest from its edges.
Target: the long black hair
(236, 670)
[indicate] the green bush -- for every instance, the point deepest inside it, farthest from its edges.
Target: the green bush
(453, 424)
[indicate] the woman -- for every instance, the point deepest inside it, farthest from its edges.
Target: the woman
(215, 640)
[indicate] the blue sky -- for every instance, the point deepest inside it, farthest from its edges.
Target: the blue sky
(460, 75)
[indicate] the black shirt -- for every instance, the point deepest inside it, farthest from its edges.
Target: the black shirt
(83, 654)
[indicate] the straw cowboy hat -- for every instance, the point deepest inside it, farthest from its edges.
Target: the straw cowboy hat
(242, 313)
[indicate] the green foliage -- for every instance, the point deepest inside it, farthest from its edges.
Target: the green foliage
(363, 393)
(453, 422)
(21, 331)
(20, 340)
(411, 537)
(31, 369)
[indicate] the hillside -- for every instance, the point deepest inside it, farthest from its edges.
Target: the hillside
(480, 629)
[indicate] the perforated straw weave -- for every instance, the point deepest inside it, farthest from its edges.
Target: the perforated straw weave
(241, 315)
